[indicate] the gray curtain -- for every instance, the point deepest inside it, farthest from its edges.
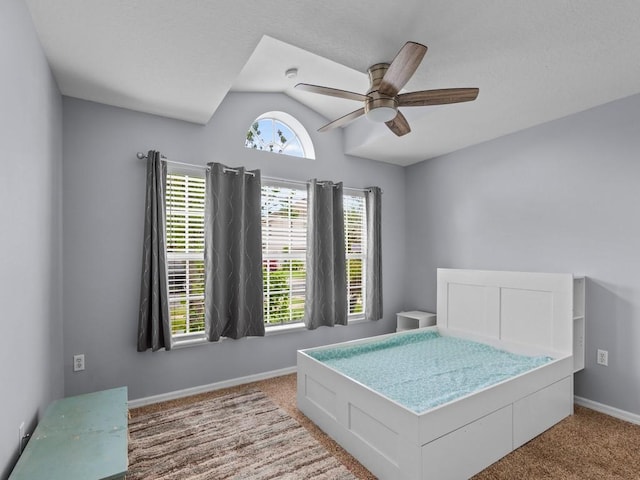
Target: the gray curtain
(326, 276)
(373, 305)
(233, 253)
(154, 324)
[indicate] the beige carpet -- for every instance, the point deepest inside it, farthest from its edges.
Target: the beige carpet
(585, 446)
(238, 435)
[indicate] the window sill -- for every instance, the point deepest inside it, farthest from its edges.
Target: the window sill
(192, 340)
(296, 327)
(279, 329)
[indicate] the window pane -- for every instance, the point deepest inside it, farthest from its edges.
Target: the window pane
(185, 252)
(355, 283)
(294, 148)
(355, 247)
(196, 315)
(178, 314)
(273, 135)
(177, 278)
(284, 230)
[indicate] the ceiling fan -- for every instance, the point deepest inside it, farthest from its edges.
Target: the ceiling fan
(382, 100)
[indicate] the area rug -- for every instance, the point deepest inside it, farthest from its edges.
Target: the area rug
(241, 435)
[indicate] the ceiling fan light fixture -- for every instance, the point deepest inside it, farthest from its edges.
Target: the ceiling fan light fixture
(381, 114)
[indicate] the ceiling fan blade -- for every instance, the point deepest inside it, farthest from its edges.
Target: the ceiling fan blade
(333, 92)
(343, 120)
(402, 68)
(399, 125)
(437, 97)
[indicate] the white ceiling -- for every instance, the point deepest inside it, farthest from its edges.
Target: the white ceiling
(533, 61)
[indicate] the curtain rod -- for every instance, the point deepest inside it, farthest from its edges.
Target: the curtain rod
(142, 156)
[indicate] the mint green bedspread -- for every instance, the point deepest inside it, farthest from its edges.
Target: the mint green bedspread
(424, 369)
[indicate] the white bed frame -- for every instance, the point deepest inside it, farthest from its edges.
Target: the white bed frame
(528, 313)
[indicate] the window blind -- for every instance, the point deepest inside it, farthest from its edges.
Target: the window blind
(284, 242)
(356, 251)
(185, 252)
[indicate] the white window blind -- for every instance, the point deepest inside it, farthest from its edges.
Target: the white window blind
(284, 241)
(355, 233)
(185, 252)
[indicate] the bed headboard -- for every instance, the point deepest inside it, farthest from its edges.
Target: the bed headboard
(532, 309)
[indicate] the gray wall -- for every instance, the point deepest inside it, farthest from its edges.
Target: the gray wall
(103, 205)
(561, 197)
(30, 256)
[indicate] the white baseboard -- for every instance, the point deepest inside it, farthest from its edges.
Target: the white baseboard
(606, 409)
(163, 397)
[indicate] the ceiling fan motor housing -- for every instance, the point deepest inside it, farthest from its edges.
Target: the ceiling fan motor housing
(378, 107)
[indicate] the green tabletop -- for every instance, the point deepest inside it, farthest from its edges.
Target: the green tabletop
(82, 437)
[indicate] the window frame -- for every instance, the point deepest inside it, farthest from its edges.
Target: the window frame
(190, 255)
(299, 256)
(362, 256)
(180, 340)
(296, 128)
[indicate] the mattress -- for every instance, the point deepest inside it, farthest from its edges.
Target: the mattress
(423, 369)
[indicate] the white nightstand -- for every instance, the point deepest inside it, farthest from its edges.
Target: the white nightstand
(414, 319)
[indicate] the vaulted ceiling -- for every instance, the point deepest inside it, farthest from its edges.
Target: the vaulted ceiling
(533, 61)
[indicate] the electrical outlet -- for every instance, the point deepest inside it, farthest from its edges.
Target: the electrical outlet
(78, 362)
(603, 357)
(20, 435)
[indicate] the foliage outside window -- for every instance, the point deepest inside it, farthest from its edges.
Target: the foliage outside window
(279, 132)
(284, 225)
(273, 136)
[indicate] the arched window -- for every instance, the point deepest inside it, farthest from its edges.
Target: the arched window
(279, 132)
